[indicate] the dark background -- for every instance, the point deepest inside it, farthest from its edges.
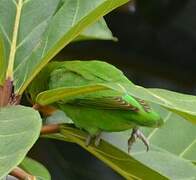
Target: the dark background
(156, 48)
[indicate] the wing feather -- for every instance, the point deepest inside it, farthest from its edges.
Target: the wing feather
(105, 103)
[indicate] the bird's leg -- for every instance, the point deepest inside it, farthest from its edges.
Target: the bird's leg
(132, 139)
(97, 139)
(90, 137)
(88, 140)
(136, 133)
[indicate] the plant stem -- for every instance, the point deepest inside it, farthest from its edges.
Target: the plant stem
(6, 92)
(45, 110)
(7, 96)
(21, 174)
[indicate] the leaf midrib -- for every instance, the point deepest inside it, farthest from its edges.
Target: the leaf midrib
(12, 53)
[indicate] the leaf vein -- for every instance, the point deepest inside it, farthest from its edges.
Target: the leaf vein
(26, 38)
(158, 97)
(156, 129)
(187, 148)
(15, 134)
(75, 14)
(14, 2)
(5, 34)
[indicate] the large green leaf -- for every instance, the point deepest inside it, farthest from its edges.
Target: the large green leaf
(22, 24)
(19, 129)
(31, 28)
(170, 155)
(181, 135)
(172, 147)
(182, 104)
(36, 169)
(124, 164)
(51, 96)
(98, 30)
(68, 22)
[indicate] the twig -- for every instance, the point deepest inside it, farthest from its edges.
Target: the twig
(50, 129)
(45, 110)
(21, 174)
(36, 106)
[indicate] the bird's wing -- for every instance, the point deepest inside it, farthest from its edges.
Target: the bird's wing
(105, 103)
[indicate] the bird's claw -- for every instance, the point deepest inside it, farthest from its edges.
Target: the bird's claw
(88, 140)
(136, 133)
(97, 139)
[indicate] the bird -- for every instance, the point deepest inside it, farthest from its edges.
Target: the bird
(101, 111)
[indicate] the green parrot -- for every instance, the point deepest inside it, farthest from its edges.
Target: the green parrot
(101, 111)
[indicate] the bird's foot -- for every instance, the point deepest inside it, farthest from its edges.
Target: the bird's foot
(136, 133)
(97, 139)
(88, 140)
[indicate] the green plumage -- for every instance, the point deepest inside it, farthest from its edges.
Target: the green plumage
(107, 110)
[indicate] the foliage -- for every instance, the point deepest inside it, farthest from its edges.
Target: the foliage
(32, 32)
(20, 127)
(171, 152)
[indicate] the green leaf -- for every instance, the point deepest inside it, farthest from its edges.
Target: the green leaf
(171, 146)
(181, 143)
(36, 169)
(181, 104)
(121, 162)
(51, 96)
(69, 21)
(170, 155)
(19, 129)
(98, 30)
(22, 24)
(2, 61)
